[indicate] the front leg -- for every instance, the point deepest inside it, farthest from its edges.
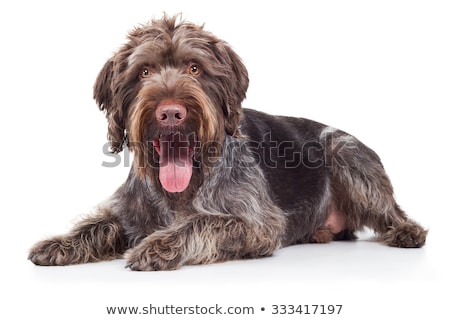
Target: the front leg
(96, 238)
(203, 239)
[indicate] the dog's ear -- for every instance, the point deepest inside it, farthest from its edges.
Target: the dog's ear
(237, 89)
(103, 95)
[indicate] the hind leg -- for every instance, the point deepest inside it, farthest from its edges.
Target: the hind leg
(362, 190)
(403, 234)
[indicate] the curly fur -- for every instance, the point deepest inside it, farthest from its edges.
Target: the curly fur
(256, 182)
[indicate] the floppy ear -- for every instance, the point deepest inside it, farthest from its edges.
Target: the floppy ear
(237, 87)
(103, 94)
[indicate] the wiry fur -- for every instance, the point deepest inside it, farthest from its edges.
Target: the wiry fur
(259, 182)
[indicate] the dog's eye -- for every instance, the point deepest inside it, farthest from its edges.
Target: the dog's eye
(194, 70)
(145, 73)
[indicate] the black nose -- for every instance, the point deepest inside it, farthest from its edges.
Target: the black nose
(171, 115)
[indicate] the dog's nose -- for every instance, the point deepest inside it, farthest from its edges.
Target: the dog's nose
(171, 115)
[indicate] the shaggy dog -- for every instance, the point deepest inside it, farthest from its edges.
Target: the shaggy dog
(211, 181)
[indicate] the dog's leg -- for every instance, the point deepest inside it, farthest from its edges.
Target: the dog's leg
(95, 238)
(202, 239)
(364, 193)
(403, 233)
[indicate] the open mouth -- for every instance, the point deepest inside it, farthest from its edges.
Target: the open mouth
(176, 154)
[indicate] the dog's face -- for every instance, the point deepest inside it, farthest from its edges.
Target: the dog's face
(172, 93)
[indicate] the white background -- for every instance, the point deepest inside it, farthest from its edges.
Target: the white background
(377, 69)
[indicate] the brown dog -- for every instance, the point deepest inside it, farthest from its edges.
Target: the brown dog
(212, 181)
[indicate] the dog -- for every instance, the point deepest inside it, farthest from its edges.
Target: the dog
(211, 181)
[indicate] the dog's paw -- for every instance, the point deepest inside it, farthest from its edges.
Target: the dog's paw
(153, 255)
(322, 235)
(50, 252)
(406, 235)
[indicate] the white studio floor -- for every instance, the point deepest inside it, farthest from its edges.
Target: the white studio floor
(368, 279)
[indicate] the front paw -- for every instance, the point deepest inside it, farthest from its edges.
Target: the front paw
(154, 254)
(50, 252)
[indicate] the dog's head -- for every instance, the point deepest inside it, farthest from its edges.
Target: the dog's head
(172, 93)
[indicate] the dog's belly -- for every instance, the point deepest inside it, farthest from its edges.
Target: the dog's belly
(336, 221)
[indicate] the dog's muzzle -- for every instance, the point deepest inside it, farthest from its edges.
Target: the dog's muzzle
(175, 149)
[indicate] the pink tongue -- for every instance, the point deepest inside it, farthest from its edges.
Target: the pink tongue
(175, 167)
